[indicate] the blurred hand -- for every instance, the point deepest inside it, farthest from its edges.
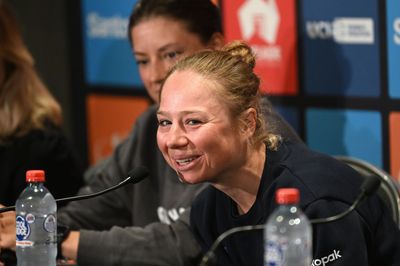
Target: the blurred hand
(7, 230)
(70, 245)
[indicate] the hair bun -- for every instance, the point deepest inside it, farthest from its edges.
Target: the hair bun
(242, 50)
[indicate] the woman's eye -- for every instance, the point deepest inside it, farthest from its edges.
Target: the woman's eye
(173, 55)
(163, 123)
(141, 62)
(193, 122)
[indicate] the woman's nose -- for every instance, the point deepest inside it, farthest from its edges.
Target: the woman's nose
(157, 72)
(177, 138)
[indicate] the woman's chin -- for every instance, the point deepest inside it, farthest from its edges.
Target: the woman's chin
(188, 179)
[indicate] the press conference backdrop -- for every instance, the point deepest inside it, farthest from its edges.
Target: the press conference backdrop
(331, 68)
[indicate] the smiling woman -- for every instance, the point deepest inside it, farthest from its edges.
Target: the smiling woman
(211, 129)
(195, 132)
(211, 126)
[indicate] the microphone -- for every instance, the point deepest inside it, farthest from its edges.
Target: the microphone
(134, 176)
(368, 187)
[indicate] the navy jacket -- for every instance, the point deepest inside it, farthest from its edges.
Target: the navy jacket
(367, 236)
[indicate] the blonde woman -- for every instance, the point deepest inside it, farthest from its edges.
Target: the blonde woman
(211, 130)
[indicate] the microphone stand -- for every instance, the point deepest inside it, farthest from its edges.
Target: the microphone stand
(134, 176)
(209, 257)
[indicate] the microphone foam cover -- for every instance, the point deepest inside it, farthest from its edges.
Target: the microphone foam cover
(138, 174)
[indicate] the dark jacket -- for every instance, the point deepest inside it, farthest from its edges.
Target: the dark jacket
(367, 236)
(47, 150)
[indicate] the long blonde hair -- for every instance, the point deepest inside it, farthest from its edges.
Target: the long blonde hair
(25, 102)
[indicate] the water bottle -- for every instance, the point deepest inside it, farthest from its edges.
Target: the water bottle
(288, 232)
(36, 223)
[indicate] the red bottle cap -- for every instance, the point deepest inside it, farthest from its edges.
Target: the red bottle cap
(287, 196)
(35, 176)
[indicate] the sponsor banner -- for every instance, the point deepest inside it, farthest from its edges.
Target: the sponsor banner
(345, 132)
(393, 40)
(394, 123)
(109, 120)
(107, 53)
(270, 28)
(340, 47)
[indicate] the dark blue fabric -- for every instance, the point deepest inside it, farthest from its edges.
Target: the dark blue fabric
(368, 236)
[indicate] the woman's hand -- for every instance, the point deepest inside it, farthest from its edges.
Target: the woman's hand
(69, 246)
(7, 230)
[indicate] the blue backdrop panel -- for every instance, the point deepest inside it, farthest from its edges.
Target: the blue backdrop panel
(345, 132)
(340, 44)
(290, 114)
(107, 52)
(393, 30)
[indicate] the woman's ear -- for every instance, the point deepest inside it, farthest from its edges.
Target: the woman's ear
(217, 41)
(249, 118)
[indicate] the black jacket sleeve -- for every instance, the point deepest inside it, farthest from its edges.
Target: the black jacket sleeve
(359, 238)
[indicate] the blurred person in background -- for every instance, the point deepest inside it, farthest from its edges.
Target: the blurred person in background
(31, 135)
(147, 223)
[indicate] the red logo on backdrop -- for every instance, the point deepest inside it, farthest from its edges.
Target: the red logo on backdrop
(269, 26)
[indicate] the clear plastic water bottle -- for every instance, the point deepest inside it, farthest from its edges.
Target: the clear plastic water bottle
(288, 232)
(36, 223)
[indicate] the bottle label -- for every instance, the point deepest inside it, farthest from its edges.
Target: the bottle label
(25, 243)
(274, 254)
(23, 229)
(50, 224)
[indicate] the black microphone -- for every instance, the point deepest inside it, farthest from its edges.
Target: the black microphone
(368, 187)
(134, 176)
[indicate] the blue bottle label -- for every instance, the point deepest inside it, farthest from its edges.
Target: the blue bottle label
(23, 229)
(273, 254)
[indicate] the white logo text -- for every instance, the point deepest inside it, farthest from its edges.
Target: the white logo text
(106, 27)
(325, 260)
(343, 30)
(396, 27)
